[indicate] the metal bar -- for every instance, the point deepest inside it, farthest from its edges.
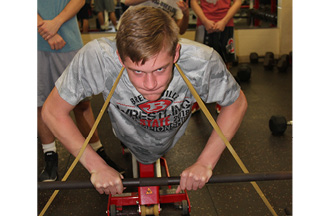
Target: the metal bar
(166, 181)
(262, 15)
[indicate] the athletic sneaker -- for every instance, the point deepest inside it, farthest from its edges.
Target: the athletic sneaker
(49, 174)
(101, 152)
(105, 28)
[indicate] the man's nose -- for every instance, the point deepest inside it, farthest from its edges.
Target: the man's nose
(150, 81)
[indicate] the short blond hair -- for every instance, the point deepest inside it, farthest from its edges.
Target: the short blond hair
(144, 32)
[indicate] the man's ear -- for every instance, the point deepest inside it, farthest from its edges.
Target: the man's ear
(177, 53)
(121, 62)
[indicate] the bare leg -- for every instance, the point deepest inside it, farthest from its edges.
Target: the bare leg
(85, 27)
(112, 17)
(44, 133)
(49, 172)
(101, 19)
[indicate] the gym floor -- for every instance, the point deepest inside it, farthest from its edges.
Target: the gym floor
(269, 92)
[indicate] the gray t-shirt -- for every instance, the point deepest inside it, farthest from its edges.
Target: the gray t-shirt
(169, 6)
(148, 129)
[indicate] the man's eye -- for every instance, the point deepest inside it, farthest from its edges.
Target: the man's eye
(160, 69)
(137, 72)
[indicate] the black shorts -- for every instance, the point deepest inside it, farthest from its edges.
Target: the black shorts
(222, 42)
(85, 12)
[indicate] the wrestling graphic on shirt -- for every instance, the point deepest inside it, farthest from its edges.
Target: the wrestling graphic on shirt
(165, 114)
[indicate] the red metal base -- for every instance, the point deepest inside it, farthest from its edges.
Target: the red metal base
(146, 196)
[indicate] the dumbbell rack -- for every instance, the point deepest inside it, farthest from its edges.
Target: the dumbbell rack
(149, 198)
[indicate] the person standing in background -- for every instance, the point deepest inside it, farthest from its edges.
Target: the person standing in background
(84, 16)
(58, 40)
(215, 25)
(100, 6)
(215, 28)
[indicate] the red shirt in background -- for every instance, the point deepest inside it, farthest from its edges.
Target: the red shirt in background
(215, 10)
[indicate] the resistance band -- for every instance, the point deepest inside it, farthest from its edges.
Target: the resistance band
(94, 127)
(221, 135)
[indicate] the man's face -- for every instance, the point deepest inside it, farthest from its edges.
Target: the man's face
(153, 77)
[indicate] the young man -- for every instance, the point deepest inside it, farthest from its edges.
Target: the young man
(151, 106)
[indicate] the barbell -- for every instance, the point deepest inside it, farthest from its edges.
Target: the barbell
(244, 73)
(166, 181)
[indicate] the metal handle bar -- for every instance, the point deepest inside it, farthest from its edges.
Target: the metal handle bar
(165, 181)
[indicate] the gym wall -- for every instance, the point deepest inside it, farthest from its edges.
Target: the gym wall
(277, 40)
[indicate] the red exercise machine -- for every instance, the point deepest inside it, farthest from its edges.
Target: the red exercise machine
(148, 199)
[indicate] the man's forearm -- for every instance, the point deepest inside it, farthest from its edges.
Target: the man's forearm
(39, 19)
(55, 113)
(48, 28)
(70, 136)
(232, 11)
(183, 24)
(70, 10)
(228, 121)
(198, 11)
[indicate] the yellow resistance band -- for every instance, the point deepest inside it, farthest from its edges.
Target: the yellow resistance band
(221, 135)
(94, 127)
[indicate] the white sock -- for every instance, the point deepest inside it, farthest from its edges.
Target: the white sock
(49, 147)
(96, 145)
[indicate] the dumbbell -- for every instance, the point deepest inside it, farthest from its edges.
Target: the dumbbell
(268, 61)
(283, 62)
(288, 211)
(278, 125)
(244, 73)
(254, 58)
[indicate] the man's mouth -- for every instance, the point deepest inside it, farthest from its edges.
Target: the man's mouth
(152, 97)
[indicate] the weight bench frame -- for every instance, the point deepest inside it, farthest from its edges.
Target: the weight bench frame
(149, 198)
